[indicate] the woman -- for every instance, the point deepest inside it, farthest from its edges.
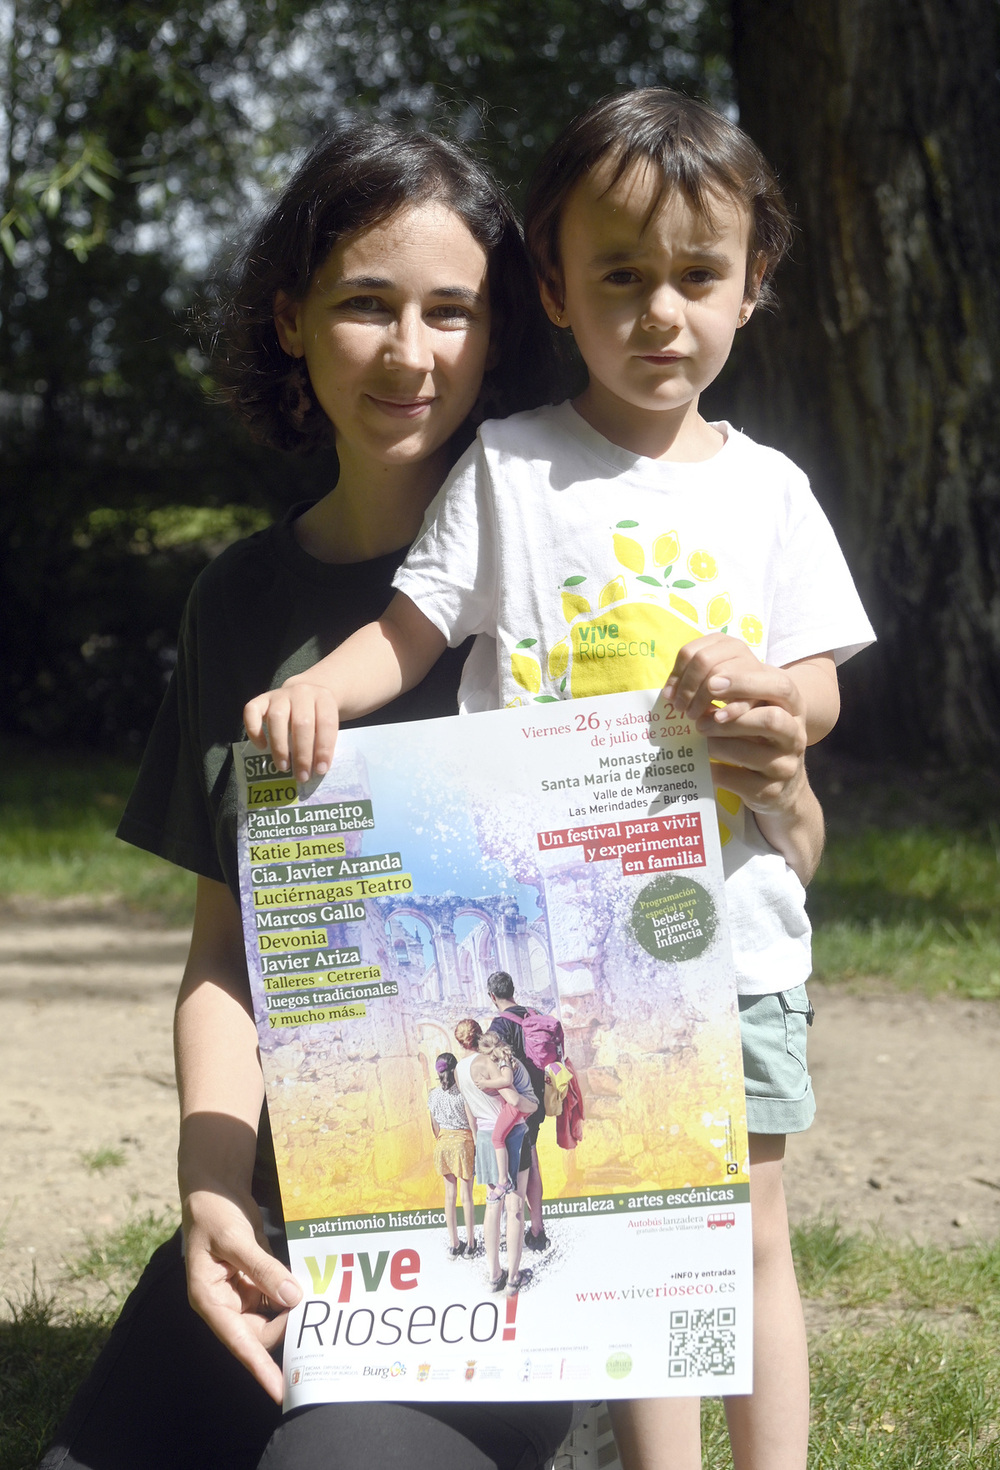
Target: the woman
(484, 1110)
(382, 307)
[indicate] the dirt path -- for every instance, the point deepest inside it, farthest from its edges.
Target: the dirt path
(907, 1132)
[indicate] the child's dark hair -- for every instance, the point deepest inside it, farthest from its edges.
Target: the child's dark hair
(354, 178)
(696, 150)
(445, 1068)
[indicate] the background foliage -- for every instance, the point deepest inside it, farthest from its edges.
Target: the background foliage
(136, 136)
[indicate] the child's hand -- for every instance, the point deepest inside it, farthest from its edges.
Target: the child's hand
(300, 721)
(709, 669)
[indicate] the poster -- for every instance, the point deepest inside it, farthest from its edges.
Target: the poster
(575, 847)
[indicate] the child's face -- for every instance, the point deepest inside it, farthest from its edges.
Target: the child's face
(395, 332)
(653, 303)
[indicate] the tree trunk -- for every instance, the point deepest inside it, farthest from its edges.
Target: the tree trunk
(878, 374)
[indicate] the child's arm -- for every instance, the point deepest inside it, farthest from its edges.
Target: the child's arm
(706, 668)
(374, 665)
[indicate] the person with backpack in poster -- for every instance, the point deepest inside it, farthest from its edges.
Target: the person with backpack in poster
(530, 1036)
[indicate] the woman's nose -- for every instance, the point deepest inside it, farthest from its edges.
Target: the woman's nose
(410, 346)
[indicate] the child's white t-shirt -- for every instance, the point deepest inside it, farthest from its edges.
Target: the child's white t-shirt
(584, 568)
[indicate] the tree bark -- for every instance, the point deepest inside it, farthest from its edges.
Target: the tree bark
(878, 374)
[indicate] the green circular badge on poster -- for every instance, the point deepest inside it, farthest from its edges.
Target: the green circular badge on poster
(674, 918)
(619, 1365)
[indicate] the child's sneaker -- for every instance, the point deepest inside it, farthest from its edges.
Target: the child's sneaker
(591, 1445)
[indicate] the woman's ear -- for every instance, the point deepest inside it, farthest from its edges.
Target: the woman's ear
(286, 324)
(551, 293)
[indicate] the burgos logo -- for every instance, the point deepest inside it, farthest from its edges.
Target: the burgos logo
(398, 1369)
(371, 1372)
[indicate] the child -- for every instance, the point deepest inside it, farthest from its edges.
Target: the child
(619, 541)
(495, 1074)
(454, 1155)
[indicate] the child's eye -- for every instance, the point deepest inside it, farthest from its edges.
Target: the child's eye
(622, 277)
(702, 277)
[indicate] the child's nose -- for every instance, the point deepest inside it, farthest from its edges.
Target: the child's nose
(664, 308)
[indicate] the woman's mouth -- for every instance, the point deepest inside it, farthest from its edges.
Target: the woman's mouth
(402, 408)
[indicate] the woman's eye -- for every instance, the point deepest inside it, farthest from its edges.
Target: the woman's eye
(451, 315)
(365, 304)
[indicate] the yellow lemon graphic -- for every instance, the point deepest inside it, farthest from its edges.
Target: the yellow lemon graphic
(666, 549)
(702, 566)
(727, 799)
(629, 553)
(720, 610)
(631, 646)
(681, 606)
(527, 671)
(611, 592)
(751, 629)
(724, 834)
(574, 606)
(558, 659)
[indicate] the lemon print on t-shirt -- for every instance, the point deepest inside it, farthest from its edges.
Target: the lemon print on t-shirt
(622, 626)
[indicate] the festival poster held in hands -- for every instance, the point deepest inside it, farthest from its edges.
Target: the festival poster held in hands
(577, 848)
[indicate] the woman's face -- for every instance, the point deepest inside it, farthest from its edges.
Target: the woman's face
(395, 332)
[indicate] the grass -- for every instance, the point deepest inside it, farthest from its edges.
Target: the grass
(917, 905)
(116, 1258)
(103, 1158)
(906, 1366)
(58, 814)
(48, 1348)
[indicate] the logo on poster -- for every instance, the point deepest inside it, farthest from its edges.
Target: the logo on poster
(470, 1368)
(423, 1372)
(619, 1365)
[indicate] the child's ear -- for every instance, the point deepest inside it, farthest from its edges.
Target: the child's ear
(755, 277)
(286, 324)
(551, 293)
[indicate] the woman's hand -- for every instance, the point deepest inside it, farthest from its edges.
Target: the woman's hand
(235, 1284)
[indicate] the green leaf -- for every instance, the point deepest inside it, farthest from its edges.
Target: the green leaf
(682, 584)
(651, 580)
(526, 643)
(626, 525)
(725, 629)
(667, 571)
(546, 699)
(574, 581)
(7, 241)
(562, 686)
(98, 185)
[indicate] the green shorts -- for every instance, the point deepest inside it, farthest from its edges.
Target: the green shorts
(779, 1090)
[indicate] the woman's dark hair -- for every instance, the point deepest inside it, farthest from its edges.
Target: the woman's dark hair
(354, 178)
(695, 149)
(445, 1068)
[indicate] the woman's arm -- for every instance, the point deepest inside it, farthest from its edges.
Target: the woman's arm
(232, 1277)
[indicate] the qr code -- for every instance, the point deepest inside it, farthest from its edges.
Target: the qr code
(702, 1341)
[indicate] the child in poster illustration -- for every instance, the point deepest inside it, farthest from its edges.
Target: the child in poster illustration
(496, 1075)
(454, 1154)
(622, 541)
